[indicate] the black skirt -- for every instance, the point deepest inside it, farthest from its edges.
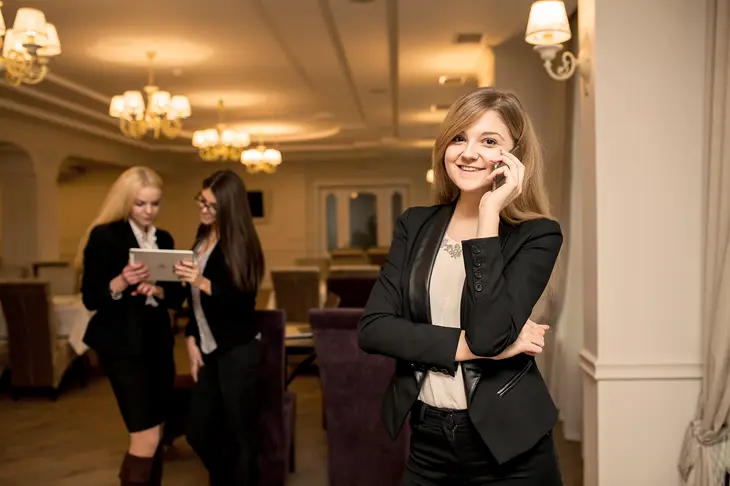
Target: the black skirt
(143, 384)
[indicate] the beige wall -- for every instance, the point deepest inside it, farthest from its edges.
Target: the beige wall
(641, 143)
(288, 231)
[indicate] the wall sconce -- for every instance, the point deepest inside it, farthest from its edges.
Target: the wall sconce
(547, 29)
(429, 176)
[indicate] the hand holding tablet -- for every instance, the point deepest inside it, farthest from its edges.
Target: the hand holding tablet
(160, 264)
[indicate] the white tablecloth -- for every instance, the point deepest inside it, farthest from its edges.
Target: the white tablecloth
(72, 318)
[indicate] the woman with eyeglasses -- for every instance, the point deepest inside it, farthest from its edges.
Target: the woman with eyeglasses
(221, 335)
(131, 330)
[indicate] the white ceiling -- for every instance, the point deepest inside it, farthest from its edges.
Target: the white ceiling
(313, 74)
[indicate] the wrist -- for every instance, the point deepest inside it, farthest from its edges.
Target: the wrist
(488, 223)
(119, 284)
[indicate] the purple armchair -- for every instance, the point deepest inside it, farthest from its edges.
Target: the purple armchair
(360, 453)
(278, 406)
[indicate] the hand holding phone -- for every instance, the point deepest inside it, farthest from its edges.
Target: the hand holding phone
(499, 180)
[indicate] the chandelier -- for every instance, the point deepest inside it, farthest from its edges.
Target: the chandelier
(220, 143)
(163, 114)
(28, 47)
(261, 159)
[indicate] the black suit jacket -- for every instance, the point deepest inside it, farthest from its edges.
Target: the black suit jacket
(115, 327)
(228, 310)
(508, 401)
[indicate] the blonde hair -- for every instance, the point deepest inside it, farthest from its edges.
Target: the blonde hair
(119, 201)
(533, 202)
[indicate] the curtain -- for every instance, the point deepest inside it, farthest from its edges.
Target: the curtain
(704, 460)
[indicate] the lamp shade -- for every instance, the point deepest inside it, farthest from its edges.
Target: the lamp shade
(29, 20)
(2, 23)
(13, 42)
(429, 176)
(252, 156)
(547, 24)
(181, 106)
(116, 106)
(133, 103)
(159, 102)
(52, 44)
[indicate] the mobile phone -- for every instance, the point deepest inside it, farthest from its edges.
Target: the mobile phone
(499, 180)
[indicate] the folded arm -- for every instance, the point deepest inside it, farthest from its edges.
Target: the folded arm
(501, 296)
(382, 331)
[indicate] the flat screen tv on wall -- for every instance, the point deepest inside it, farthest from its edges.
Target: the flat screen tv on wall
(256, 203)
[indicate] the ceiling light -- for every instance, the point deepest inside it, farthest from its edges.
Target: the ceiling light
(28, 47)
(162, 114)
(547, 29)
(452, 80)
(220, 143)
(435, 108)
(261, 159)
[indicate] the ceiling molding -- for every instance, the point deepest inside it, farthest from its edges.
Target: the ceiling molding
(81, 126)
(336, 41)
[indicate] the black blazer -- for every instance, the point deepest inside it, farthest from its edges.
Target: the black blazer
(115, 327)
(508, 401)
(228, 310)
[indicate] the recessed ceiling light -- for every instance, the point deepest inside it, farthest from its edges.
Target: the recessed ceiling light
(435, 108)
(452, 80)
(469, 38)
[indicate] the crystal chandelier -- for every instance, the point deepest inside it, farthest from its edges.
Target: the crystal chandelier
(28, 47)
(220, 143)
(261, 159)
(163, 114)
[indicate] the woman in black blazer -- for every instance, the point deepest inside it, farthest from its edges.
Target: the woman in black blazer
(131, 330)
(453, 300)
(222, 334)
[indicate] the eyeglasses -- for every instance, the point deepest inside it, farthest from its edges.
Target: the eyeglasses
(202, 203)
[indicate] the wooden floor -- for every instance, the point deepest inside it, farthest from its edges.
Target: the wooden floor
(80, 439)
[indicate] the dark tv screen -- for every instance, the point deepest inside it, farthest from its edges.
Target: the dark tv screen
(256, 203)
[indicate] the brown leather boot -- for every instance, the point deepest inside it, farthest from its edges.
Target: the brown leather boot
(136, 471)
(158, 461)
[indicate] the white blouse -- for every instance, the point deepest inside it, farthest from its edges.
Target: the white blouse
(447, 280)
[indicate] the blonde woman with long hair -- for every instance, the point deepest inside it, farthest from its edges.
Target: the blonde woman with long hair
(453, 301)
(131, 330)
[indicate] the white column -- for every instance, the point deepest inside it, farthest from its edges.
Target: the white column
(642, 163)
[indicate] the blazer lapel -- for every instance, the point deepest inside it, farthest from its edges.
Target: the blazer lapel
(129, 239)
(423, 261)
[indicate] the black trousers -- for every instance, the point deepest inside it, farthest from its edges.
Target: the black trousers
(446, 450)
(222, 425)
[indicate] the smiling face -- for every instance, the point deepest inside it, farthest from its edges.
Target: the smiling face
(472, 154)
(146, 206)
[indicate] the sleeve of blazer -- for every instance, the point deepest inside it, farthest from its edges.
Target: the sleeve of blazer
(191, 328)
(501, 296)
(383, 330)
(97, 274)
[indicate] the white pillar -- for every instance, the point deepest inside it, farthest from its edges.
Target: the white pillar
(642, 164)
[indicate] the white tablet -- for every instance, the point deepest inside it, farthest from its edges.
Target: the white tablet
(161, 263)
